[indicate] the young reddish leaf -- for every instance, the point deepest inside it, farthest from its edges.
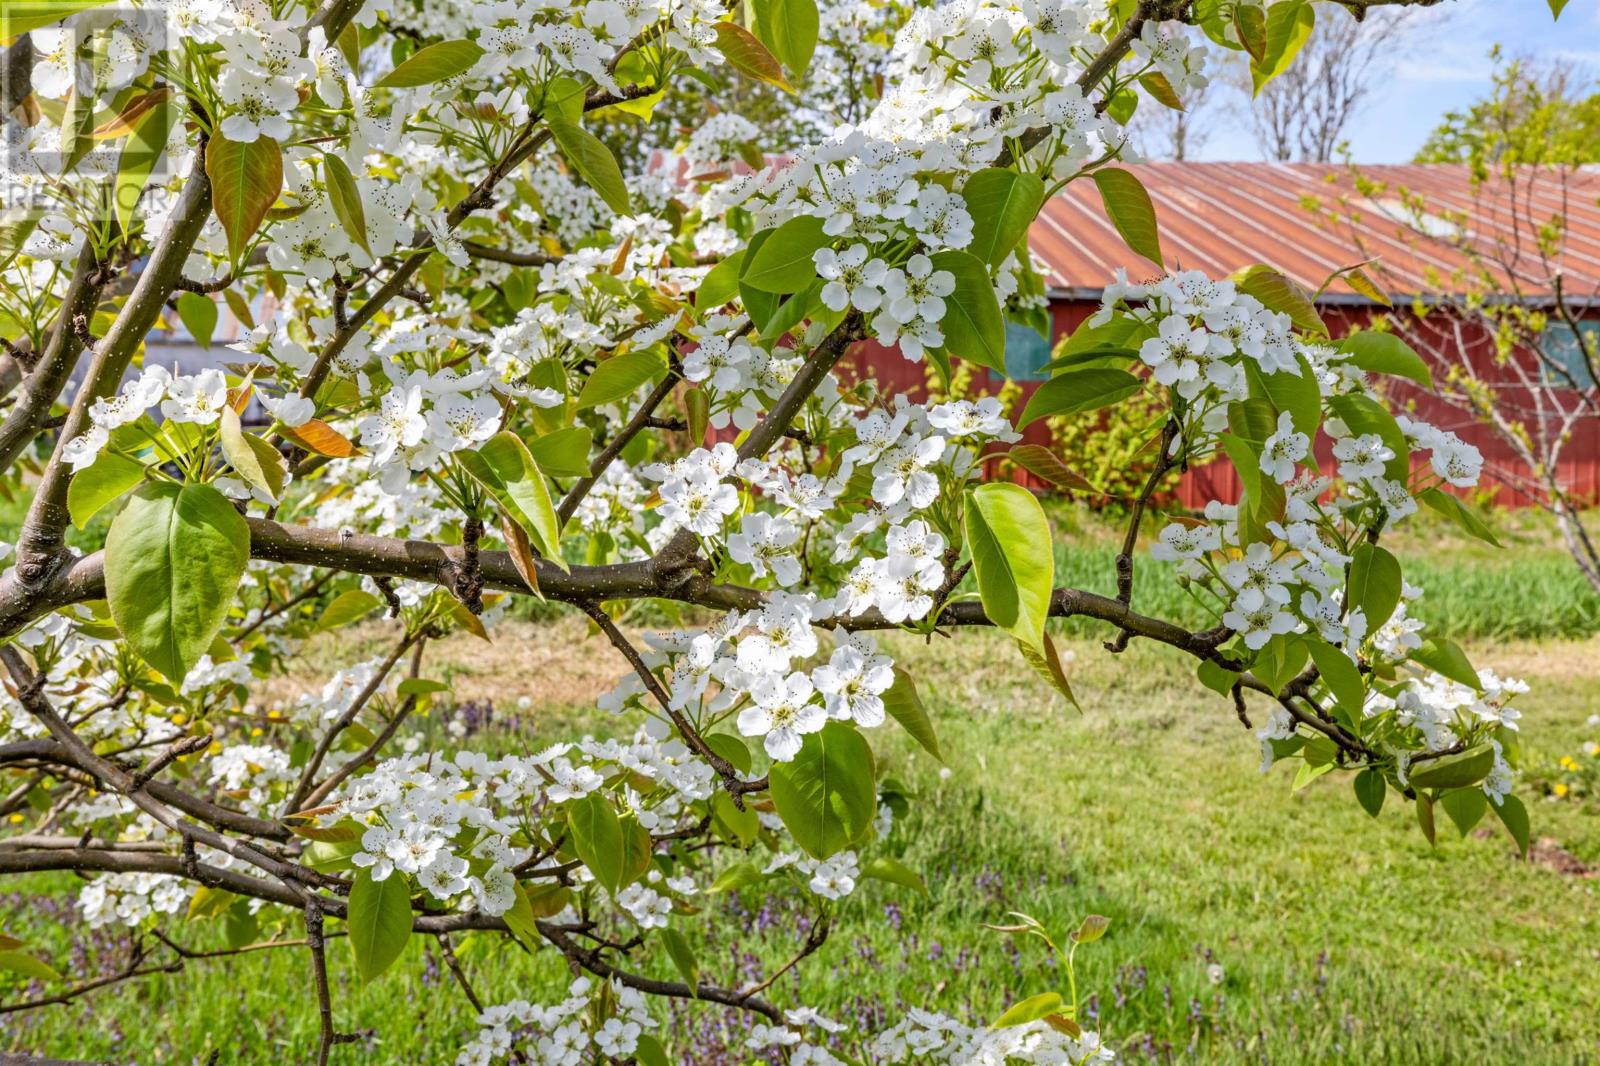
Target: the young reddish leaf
(749, 55)
(245, 182)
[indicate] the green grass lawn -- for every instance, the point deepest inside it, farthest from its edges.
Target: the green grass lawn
(1338, 937)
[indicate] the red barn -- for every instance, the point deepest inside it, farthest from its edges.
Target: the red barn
(1310, 220)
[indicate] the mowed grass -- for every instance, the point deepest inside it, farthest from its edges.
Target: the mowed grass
(1338, 937)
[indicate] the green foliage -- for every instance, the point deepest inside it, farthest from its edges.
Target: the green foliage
(173, 561)
(597, 837)
(504, 466)
(245, 182)
(1002, 203)
(1128, 206)
(594, 163)
(827, 796)
(380, 922)
(434, 63)
(1532, 116)
(1008, 537)
(974, 328)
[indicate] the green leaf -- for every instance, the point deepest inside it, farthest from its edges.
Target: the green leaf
(1370, 788)
(1459, 513)
(345, 198)
(1297, 394)
(789, 28)
(1280, 660)
(742, 825)
(1002, 204)
(1279, 293)
(1374, 584)
(27, 966)
(1514, 816)
(682, 955)
(597, 838)
(93, 488)
(1128, 206)
(973, 325)
(1556, 7)
(1446, 657)
(245, 182)
(1009, 538)
(589, 156)
(1466, 807)
(1308, 773)
(564, 99)
(1251, 23)
(521, 920)
(1384, 353)
(421, 686)
(721, 283)
(697, 405)
(1216, 677)
(208, 902)
(1079, 390)
(1342, 676)
(748, 55)
(1121, 332)
(895, 872)
(827, 797)
(1425, 816)
(173, 559)
(251, 457)
(351, 605)
(1092, 928)
(504, 466)
(649, 1052)
(1042, 463)
(904, 705)
(14, 233)
(1454, 771)
(1030, 1010)
(138, 158)
(731, 748)
(618, 377)
(433, 64)
(739, 875)
(782, 262)
(19, 18)
(1046, 662)
(380, 921)
(1156, 84)
(198, 313)
(563, 452)
(1289, 26)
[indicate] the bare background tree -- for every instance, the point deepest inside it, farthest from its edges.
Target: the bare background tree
(1510, 326)
(1302, 114)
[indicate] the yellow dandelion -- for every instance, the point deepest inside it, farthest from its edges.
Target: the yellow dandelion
(1561, 790)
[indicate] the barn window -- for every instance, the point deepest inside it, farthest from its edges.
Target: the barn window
(1561, 347)
(1026, 353)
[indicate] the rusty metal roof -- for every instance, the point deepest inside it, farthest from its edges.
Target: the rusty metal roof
(1308, 220)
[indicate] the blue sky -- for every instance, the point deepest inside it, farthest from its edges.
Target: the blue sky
(1446, 68)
